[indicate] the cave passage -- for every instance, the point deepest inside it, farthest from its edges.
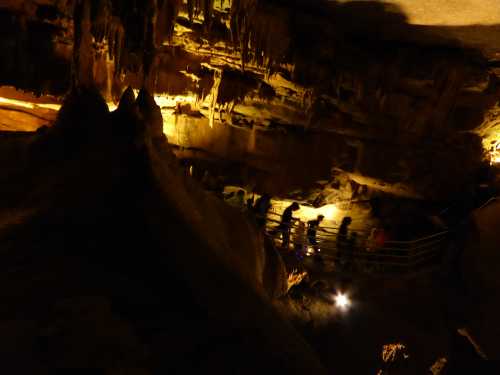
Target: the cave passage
(249, 186)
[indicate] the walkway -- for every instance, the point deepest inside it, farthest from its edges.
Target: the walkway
(364, 255)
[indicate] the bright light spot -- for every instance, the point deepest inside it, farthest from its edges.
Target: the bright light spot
(171, 101)
(491, 145)
(310, 251)
(54, 107)
(30, 105)
(342, 301)
(18, 103)
(306, 213)
(495, 155)
(309, 213)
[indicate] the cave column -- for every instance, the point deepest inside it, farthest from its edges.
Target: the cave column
(83, 59)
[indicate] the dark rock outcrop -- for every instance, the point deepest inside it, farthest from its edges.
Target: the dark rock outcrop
(113, 259)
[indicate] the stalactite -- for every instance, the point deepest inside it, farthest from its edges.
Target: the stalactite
(208, 6)
(150, 14)
(82, 50)
(101, 16)
(195, 7)
(132, 30)
(262, 31)
(116, 38)
(214, 96)
(205, 84)
(230, 88)
(167, 13)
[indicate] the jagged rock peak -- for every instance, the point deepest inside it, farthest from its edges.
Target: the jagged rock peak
(150, 112)
(145, 100)
(83, 107)
(127, 101)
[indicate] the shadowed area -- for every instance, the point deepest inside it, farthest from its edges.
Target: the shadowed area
(152, 278)
(179, 178)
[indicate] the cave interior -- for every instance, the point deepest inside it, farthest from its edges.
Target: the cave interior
(150, 151)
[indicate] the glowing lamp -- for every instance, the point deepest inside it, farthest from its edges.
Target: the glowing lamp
(342, 301)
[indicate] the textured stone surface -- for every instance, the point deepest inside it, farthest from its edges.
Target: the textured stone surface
(113, 258)
(412, 86)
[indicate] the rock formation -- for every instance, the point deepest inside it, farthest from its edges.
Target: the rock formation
(114, 259)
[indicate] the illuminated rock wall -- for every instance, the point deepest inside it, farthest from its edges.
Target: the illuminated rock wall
(406, 92)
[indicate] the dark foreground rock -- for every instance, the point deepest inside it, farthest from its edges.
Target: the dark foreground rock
(112, 259)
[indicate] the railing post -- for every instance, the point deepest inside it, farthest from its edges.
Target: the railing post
(412, 252)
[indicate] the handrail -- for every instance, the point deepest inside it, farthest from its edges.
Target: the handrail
(420, 252)
(324, 229)
(293, 225)
(488, 202)
(407, 258)
(423, 238)
(407, 252)
(322, 233)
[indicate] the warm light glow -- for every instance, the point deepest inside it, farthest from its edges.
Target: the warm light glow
(494, 154)
(342, 301)
(495, 159)
(29, 105)
(447, 13)
(306, 213)
(171, 101)
(167, 103)
(491, 146)
(54, 107)
(17, 103)
(164, 100)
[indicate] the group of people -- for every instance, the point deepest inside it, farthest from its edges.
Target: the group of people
(288, 221)
(261, 208)
(304, 233)
(346, 241)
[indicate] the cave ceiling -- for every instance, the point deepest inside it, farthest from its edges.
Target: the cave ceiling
(400, 78)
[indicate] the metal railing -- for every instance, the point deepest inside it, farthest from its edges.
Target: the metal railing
(488, 202)
(364, 253)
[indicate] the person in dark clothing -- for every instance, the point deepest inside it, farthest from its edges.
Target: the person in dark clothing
(286, 223)
(312, 227)
(262, 205)
(299, 240)
(351, 248)
(237, 200)
(344, 227)
(250, 203)
(342, 239)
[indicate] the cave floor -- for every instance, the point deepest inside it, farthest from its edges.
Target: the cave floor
(384, 310)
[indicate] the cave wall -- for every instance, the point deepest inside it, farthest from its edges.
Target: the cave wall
(404, 91)
(478, 265)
